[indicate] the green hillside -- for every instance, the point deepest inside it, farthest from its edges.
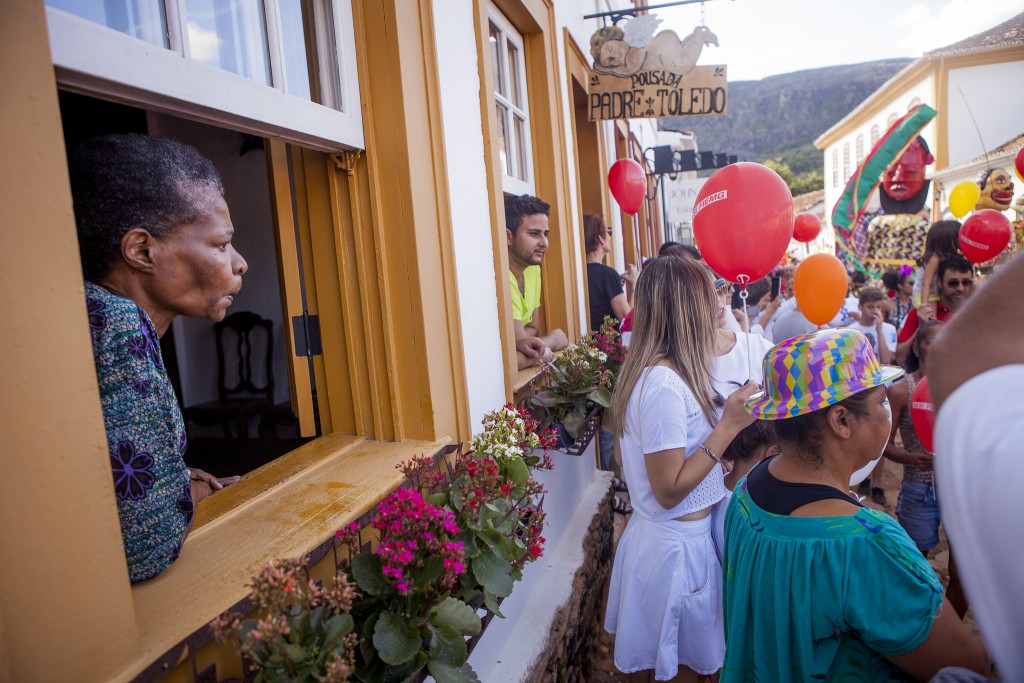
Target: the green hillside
(778, 118)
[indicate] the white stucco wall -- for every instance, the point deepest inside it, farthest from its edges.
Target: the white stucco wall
(993, 94)
(470, 212)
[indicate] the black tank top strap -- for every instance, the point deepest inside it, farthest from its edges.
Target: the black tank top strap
(782, 497)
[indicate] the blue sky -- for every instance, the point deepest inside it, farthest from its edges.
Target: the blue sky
(761, 38)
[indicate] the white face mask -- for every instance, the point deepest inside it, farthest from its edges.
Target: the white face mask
(862, 474)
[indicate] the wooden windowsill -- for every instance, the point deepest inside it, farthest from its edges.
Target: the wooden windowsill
(282, 510)
(525, 377)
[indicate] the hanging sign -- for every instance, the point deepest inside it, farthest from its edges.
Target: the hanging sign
(638, 74)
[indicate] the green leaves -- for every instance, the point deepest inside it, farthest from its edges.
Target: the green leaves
(446, 673)
(456, 614)
(366, 569)
(448, 645)
(518, 471)
(396, 638)
(493, 573)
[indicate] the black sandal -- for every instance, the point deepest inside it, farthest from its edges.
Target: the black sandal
(622, 506)
(619, 485)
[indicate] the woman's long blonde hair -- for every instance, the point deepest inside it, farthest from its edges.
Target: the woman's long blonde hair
(674, 320)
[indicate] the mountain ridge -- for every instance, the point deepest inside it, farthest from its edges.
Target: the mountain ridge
(780, 116)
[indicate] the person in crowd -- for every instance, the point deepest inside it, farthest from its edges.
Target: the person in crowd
(858, 281)
(976, 369)
(901, 286)
(676, 249)
(738, 354)
(917, 507)
(882, 336)
(802, 599)
(956, 282)
(943, 242)
(155, 237)
(526, 223)
(607, 298)
(753, 444)
(604, 284)
(681, 250)
(850, 311)
(872, 325)
(664, 600)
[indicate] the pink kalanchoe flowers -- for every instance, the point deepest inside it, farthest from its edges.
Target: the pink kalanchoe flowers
(413, 531)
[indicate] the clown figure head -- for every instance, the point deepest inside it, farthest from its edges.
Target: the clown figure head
(996, 190)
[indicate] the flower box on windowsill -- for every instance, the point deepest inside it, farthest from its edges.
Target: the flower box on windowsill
(588, 431)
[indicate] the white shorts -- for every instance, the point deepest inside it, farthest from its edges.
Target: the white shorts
(665, 598)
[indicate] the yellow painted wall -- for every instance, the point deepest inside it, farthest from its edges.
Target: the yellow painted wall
(64, 603)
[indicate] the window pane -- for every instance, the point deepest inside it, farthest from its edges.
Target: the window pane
(506, 160)
(513, 72)
(294, 26)
(520, 130)
(230, 34)
(496, 63)
(143, 19)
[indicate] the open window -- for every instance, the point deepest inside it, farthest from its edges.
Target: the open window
(525, 140)
(248, 387)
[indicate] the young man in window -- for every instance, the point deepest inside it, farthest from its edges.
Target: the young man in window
(526, 222)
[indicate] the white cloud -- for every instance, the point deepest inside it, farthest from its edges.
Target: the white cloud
(204, 45)
(761, 38)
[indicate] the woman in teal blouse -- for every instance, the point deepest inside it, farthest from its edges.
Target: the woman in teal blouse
(817, 587)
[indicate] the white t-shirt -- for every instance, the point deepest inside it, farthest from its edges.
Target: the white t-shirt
(736, 367)
(978, 458)
(662, 414)
(888, 334)
(785, 307)
(843, 318)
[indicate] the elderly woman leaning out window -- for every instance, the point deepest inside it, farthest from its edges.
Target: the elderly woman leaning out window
(155, 241)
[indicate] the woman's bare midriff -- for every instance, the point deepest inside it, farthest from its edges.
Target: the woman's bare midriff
(693, 516)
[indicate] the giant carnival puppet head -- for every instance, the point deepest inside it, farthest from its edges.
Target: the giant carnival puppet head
(996, 190)
(903, 184)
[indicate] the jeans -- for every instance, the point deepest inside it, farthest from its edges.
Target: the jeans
(605, 442)
(918, 512)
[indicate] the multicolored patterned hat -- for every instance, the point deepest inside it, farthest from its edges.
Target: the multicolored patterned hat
(814, 371)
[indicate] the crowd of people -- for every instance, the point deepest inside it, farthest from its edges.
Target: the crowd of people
(750, 554)
(740, 429)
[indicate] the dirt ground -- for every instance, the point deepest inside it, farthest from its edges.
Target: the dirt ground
(603, 667)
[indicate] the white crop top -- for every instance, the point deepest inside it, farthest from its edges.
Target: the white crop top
(662, 413)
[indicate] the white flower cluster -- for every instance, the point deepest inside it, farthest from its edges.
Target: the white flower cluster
(504, 435)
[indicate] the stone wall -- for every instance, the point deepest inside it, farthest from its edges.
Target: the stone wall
(576, 627)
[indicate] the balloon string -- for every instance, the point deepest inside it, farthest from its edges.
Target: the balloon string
(746, 322)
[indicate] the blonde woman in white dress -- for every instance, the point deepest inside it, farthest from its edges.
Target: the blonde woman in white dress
(665, 599)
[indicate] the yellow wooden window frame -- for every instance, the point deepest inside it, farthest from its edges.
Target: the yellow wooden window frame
(534, 19)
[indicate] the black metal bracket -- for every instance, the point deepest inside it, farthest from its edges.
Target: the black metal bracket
(306, 335)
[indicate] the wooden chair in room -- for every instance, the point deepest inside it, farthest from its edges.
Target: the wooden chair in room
(237, 405)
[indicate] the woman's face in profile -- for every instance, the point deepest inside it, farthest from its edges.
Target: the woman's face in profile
(872, 432)
(199, 272)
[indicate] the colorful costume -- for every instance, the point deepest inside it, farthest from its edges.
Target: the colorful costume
(145, 433)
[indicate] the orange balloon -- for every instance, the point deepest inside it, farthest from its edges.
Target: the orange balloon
(820, 286)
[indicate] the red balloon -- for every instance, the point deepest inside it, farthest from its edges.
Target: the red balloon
(922, 413)
(1018, 164)
(743, 221)
(984, 235)
(628, 183)
(806, 227)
